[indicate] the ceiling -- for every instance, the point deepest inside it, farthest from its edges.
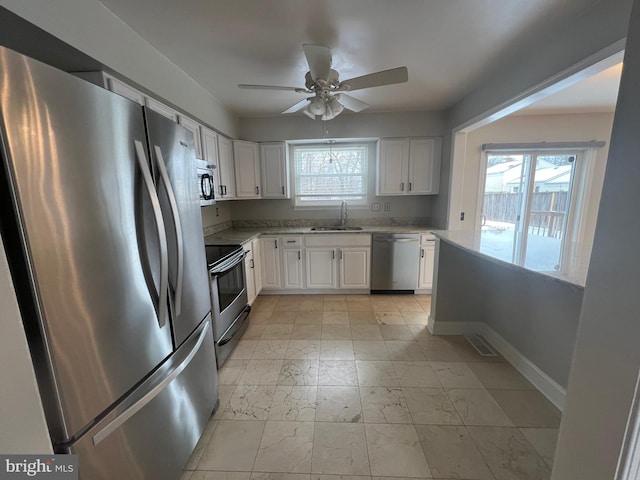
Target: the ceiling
(448, 46)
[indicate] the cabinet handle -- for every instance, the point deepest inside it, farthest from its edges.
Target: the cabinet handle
(409, 186)
(402, 187)
(422, 253)
(340, 254)
(333, 254)
(221, 190)
(276, 241)
(257, 190)
(251, 262)
(298, 254)
(283, 189)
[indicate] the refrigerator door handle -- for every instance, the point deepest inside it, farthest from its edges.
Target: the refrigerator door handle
(161, 309)
(140, 403)
(164, 176)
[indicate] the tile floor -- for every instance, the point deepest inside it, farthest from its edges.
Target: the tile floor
(354, 387)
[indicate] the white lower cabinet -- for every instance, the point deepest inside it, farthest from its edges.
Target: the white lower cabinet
(427, 261)
(257, 264)
(292, 267)
(354, 267)
(252, 269)
(321, 267)
(270, 253)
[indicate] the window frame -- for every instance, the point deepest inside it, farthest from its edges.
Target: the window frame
(323, 204)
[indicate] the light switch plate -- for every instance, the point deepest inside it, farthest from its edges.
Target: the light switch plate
(387, 206)
(375, 207)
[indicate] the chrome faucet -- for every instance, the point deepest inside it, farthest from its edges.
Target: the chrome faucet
(344, 214)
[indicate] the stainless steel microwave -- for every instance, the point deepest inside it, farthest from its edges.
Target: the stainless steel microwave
(205, 182)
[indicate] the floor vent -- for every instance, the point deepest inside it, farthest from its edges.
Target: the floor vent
(481, 346)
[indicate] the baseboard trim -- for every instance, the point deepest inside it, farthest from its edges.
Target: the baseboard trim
(554, 392)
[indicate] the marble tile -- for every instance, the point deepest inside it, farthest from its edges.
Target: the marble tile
(340, 477)
(416, 374)
(270, 350)
(543, 440)
(370, 350)
(389, 318)
(335, 318)
(383, 305)
(365, 332)
(409, 307)
(201, 475)
(395, 450)
(294, 403)
(338, 372)
(309, 317)
(311, 304)
(415, 318)
(249, 402)
(477, 407)
(186, 475)
(338, 404)
(340, 448)
(335, 297)
(205, 438)
(451, 453)
(233, 446)
(376, 374)
(231, 371)
(420, 332)
(336, 332)
(260, 317)
(431, 406)
(303, 350)
(299, 372)
(283, 317)
(225, 392)
(384, 405)
(277, 332)
(279, 476)
(288, 302)
(499, 376)
(253, 332)
(527, 408)
(336, 350)
(396, 332)
(438, 351)
(362, 318)
(334, 306)
(508, 454)
(285, 447)
(405, 350)
(359, 306)
(261, 372)
(306, 332)
(455, 375)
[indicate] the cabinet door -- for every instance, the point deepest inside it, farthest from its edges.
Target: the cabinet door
(227, 187)
(275, 174)
(249, 273)
(257, 264)
(427, 260)
(210, 154)
(393, 163)
(321, 267)
(193, 127)
(354, 267)
(292, 268)
(270, 255)
(161, 108)
(423, 172)
(116, 86)
(247, 164)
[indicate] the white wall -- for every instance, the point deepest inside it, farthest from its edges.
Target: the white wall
(531, 129)
(606, 360)
(22, 425)
(91, 28)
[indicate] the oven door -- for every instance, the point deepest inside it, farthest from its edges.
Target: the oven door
(205, 184)
(229, 297)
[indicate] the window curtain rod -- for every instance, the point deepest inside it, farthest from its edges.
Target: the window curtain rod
(492, 147)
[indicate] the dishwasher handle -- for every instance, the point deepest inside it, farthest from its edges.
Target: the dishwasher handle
(395, 240)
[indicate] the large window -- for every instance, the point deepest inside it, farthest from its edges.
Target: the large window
(527, 206)
(327, 174)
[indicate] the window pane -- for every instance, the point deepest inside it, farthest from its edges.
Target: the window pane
(505, 187)
(546, 225)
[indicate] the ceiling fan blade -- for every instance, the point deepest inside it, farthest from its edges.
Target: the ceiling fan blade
(298, 106)
(269, 87)
(319, 60)
(351, 103)
(378, 79)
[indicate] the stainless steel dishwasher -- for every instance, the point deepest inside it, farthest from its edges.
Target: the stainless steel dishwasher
(395, 258)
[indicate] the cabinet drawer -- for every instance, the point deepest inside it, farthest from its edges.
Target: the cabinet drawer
(338, 240)
(427, 237)
(291, 242)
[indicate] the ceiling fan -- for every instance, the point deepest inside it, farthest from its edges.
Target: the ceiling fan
(328, 100)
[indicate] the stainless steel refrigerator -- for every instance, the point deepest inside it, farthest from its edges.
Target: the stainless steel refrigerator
(100, 216)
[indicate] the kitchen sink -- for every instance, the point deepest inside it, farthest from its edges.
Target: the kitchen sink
(333, 229)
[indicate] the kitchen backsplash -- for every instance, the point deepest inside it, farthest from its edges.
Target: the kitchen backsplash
(380, 221)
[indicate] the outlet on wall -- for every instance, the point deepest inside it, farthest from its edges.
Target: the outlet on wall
(387, 206)
(375, 207)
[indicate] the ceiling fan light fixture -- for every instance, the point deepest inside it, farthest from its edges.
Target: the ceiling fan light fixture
(317, 106)
(335, 105)
(308, 113)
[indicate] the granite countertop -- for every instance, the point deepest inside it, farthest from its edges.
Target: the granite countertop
(241, 235)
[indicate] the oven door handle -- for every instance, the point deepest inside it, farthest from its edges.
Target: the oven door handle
(229, 264)
(234, 327)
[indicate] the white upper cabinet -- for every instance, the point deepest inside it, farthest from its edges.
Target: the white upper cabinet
(161, 108)
(409, 166)
(227, 185)
(193, 127)
(275, 171)
(210, 154)
(116, 86)
(247, 165)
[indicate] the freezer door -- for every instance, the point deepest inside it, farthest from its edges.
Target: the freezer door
(152, 434)
(174, 164)
(92, 278)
